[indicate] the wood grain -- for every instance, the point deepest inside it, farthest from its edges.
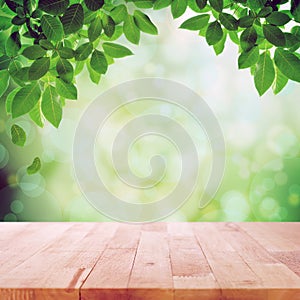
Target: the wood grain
(164, 261)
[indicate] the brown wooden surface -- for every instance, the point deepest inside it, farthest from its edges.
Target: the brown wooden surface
(192, 261)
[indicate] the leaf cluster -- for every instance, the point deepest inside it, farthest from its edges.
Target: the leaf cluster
(45, 44)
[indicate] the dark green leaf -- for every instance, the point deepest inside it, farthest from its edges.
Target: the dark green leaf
(18, 135)
(52, 28)
(116, 50)
(94, 5)
(246, 21)
(34, 167)
(99, 62)
(95, 29)
(144, 23)
(108, 25)
(66, 90)
(39, 68)
(201, 3)
(66, 52)
(25, 99)
(278, 18)
(295, 10)
(94, 76)
(214, 33)
(217, 5)
(46, 44)
(196, 23)
(178, 8)
(264, 74)
(51, 107)
(53, 7)
(83, 51)
(264, 12)
(256, 5)
(248, 38)
(220, 45)
(18, 21)
(248, 58)
(72, 19)
(228, 21)
(131, 30)
(34, 52)
(4, 62)
(288, 63)
(65, 70)
(274, 35)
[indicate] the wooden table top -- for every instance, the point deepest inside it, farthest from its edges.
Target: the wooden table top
(188, 261)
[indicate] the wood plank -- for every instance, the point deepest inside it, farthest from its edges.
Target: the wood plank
(58, 270)
(270, 238)
(151, 276)
(192, 276)
(290, 258)
(235, 278)
(272, 273)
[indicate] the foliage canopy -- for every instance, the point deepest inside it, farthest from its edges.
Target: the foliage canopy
(44, 44)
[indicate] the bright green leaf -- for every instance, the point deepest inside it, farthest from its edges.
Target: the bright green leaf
(34, 167)
(264, 74)
(144, 23)
(65, 70)
(196, 23)
(36, 115)
(248, 58)
(18, 135)
(280, 81)
(83, 51)
(95, 29)
(66, 90)
(116, 50)
(98, 62)
(4, 75)
(178, 8)
(51, 108)
(131, 31)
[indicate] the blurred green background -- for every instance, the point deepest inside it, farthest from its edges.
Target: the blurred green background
(262, 175)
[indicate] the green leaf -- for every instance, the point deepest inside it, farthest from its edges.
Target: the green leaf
(36, 116)
(220, 45)
(280, 81)
(131, 30)
(274, 35)
(39, 68)
(246, 21)
(248, 58)
(288, 63)
(143, 3)
(66, 52)
(46, 44)
(144, 23)
(72, 19)
(255, 5)
(25, 99)
(66, 90)
(94, 76)
(264, 74)
(195, 23)
(94, 5)
(9, 100)
(53, 7)
(201, 3)
(119, 13)
(217, 5)
(248, 38)
(4, 62)
(108, 25)
(13, 44)
(196, 5)
(34, 52)
(5, 23)
(65, 70)
(99, 62)
(95, 29)
(278, 18)
(264, 12)
(178, 8)
(83, 51)
(295, 10)
(116, 50)
(51, 108)
(52, 28)
(160, 4)
(18, 135)
(34, 167)
(228, 21)
(214, 33)
(4, 75)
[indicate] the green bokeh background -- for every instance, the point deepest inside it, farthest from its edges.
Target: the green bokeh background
(262, 174)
